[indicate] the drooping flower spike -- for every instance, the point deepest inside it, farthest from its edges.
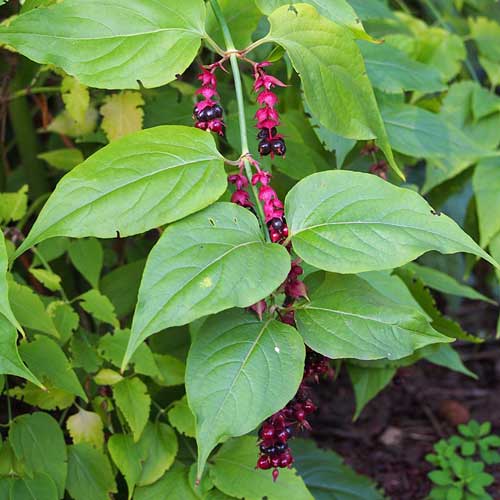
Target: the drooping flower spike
(208, 112)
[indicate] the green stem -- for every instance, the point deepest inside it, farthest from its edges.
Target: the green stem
(241, 109)
(33, 90)
(439, 18)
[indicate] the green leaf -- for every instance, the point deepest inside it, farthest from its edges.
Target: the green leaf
(159, 447)
(127, 457)
(122, 114)
(351, 222)
(132, 398)
(107, 376)
(374, 9)
(486, 33)
(65, 319)
(175, 481)
(39, 487)
(392, 71)
(38, 443)
(99, 306)
(145, 40)
(139, 182)
(367, 383)
(122, 286)
(234, 473)
(182, 418)
(63, 159)
(417, 132)
(13, 206)
(327, 478)
(442, 282)
(336, 88)
(86, 427)
(486, 183)
(208, 262)
(88, 257)
(449, 358)
(347, 318)
(171, 370)
(48, 362)
(441, 478)
(48, 398)
(338, 11)
(48, 279)
(30, 310)
(228, 372)
(89, 473)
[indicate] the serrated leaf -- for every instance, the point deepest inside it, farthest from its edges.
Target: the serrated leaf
(47, 361)
(132, 398)
(442, 282)
(63, 159)
(48, 279)
(234, 473)
(228, 372)
(145, 40)
(338, 11)
(122, 114)
(336, 88)
(76, 98)
(13, 206)
(175, 481)
(141, 181)
(87, 256)
(327, 478)
(99, 307)
(30, 310)
(86, 427)
(65, 319)
(347, 318)
(127, 457)
(351, 222)
(89, 473)
(49, 398)
(392, 71)
(38, 442)
(39, 487)
(210, 261)
(367, 383)
(182, 418)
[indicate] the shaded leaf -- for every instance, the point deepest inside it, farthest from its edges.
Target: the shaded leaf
(62, 159)
(182, 418)
(87, 256)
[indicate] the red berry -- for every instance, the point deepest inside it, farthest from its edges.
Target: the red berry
(267, 431)
(276, 473)
(264, 463)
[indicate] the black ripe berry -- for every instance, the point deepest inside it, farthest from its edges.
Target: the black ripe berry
(280, 447)
(276, 224)
(278, 147)
(202, 115)
(218, 111)
(210, 113)
(264, 147)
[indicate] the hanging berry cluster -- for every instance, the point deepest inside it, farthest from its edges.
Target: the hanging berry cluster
(279, 428)
(208, 112)
(271, 143)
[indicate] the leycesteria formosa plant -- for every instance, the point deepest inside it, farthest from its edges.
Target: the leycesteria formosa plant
(236, 221)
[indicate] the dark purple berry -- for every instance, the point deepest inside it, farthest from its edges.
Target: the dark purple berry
(276, 224)
(264, 147)
(278, 147)
(202, 115)
(210, 113)
(218, 111)
(280, 447)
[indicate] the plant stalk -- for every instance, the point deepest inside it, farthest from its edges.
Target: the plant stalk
(241, 109)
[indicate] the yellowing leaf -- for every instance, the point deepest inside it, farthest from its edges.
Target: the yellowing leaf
(86, 427)
(48, 279)
(63, 123)
(13, 205)
(122, 114)
(76, 98)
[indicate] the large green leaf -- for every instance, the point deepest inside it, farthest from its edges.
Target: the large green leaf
(5, 308)
(89, 473)
(392, 71)
(38, 442)
(338, 11)
(327, 478)
(208, 262)
(336, 87)
(235, 474)
(111, 44)
(486, 182)
(348, 318)
(142, 181)
(239, 372)
(350, 222)
(39, 487)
